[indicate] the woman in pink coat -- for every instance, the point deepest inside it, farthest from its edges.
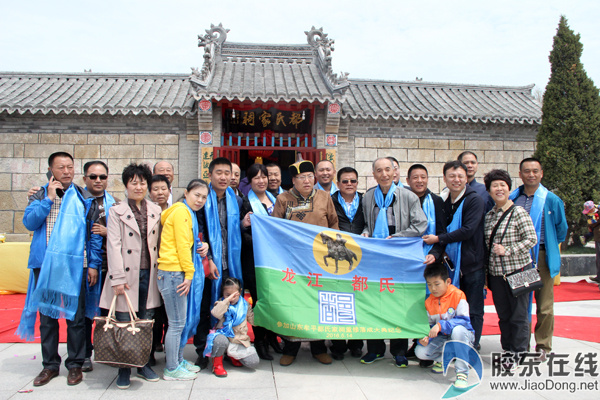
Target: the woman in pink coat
(132, 251)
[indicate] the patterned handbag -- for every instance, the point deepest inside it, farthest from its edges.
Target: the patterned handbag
(122, 344)
(524, 281)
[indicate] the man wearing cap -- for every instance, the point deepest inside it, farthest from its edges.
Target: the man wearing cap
(304, 203)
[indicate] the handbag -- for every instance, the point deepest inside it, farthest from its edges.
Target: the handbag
(523, 281)
(122, 344)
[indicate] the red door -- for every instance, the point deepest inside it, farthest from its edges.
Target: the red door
(313, 155)
(232, 155)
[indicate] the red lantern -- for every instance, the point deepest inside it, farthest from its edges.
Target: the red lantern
(259, 154)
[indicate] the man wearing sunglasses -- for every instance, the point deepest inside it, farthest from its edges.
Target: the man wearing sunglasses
(95, 177)
(348, 206)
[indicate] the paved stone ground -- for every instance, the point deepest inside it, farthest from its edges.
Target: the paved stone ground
(305, 379)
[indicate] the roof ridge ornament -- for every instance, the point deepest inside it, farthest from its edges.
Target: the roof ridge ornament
(211, 41)
(323, 46)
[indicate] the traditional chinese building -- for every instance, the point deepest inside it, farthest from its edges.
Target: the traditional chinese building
(276, 102)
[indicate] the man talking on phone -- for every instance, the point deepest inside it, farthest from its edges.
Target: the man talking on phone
(64, 258)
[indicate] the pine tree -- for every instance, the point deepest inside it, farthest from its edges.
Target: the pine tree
(568, 141)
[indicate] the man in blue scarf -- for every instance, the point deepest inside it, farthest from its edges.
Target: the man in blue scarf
(417, 178)
(324, 172)
(390, 211)
(348, 206)
(464, 239)
(547, 212)
(222, 212)
(59, 216)
(95, 177)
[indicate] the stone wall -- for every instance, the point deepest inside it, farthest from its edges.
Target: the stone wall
(27, 140)
(432, 144)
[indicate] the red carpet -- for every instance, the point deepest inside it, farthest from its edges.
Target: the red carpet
(11, 306)
(567, 291)
(564, 326)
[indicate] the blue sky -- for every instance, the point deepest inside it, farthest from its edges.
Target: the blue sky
(496, 43)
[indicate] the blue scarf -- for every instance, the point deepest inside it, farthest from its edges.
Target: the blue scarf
(257, 206)
(194, 297)
(332, 190)
(280, 190)
(234, 237)
(234, 316)
(536, 213)
(429, 210)
(56, 292)
(381, 229)
(92, 294)
(353, 206)
(453, 249)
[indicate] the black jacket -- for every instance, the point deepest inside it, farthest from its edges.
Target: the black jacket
(472, 252)
(358, 222)
(440, 223)
(248, 273)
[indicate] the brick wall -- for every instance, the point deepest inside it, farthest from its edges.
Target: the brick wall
(27, 140)
(432, 144)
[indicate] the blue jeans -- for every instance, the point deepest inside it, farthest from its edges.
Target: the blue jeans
(433, 350)
(176, 307)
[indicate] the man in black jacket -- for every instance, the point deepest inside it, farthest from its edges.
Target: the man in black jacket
(469, 234)
(348, 206)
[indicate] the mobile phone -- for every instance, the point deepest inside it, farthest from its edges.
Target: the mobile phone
(49, 175)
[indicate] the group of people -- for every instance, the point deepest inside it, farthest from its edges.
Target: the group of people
(187, 263)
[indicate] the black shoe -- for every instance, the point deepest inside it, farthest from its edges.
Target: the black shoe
(425, 363)
(410, 353)
(202, 362)
(594, 279)
(159, 348)
(356, 353)
(262, 350)
(478, 347)
(337, 356)
(274, 343)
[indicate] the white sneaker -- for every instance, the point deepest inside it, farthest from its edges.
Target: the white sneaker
(179, 374)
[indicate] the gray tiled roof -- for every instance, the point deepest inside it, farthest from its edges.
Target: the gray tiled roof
(440, 101)
(89, 93)
(269, 73)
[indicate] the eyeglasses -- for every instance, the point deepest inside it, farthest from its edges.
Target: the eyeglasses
(347, 181)
(305, 177)
(94, 177)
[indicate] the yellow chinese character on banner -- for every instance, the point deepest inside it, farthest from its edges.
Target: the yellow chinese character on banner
(286, 325)
(327, 329)
(369, 329)
(248, 118)
(313, 327)
(355, 329)
(397, 330)
(335, 329)
(265, 119)
(377, 330)
(279, 119)
(279, 324)
(295, 119)
(320, 329)
(383, 330)
(362, 329)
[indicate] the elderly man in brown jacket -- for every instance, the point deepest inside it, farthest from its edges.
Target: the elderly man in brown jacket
(303, 203)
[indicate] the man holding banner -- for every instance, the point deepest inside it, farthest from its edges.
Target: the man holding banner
(303, 203)
(318, 283)
(390, 211)
(464, 241)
